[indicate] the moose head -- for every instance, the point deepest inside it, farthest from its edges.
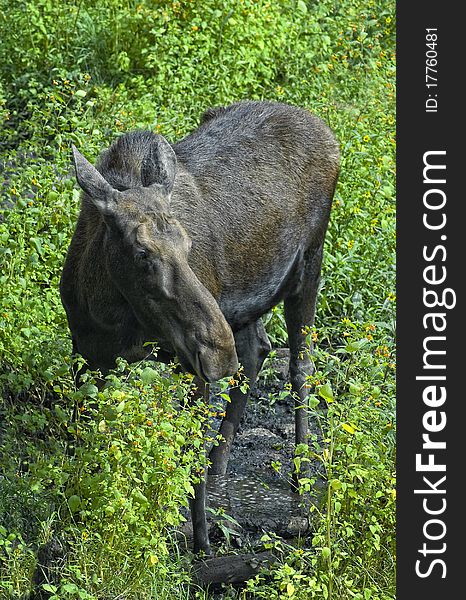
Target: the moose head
(146, 253)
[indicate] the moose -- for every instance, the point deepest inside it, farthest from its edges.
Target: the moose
(189, 244)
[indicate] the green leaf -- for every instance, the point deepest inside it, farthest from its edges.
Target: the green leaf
(352, 347)
(313, 401)
(354, 389)
(37, 244)
(149, 375)
(326, 553)
(301, 449)
(302, 7)
(335, 484)
(349, 428)
(89, 389)
(189, 488)
(61, 414)
(139, 497)
(326, 392)
(74, 502)
(153, 559)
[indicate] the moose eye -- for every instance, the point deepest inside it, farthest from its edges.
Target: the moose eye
(141, 254)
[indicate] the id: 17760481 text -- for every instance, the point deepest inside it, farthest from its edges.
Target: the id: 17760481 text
(431, 54)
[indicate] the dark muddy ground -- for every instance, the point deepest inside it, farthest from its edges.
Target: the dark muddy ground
(256, 497)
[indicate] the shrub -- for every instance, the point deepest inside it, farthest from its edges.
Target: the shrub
(107, 471)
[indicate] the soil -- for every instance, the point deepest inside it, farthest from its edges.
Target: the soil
(254, 497)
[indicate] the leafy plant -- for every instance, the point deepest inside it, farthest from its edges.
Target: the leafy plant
(83, 72)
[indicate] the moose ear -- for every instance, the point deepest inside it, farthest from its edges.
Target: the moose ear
(91, 181)
(159, 166)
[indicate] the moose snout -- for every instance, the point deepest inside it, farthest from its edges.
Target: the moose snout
(212, 365)
(213, 354)
(208, 338)
(209, 352)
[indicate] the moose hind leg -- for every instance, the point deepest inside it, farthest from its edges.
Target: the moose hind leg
(299, 316)
(252, 347)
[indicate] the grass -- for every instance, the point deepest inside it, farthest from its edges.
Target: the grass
(83, 72)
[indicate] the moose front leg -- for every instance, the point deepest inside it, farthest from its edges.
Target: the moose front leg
(252, 348)
(197, 504)
(299, 312)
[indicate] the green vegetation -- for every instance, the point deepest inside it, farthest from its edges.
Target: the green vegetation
(111, 479)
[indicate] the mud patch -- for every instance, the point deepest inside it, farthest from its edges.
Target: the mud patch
(255, 496)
